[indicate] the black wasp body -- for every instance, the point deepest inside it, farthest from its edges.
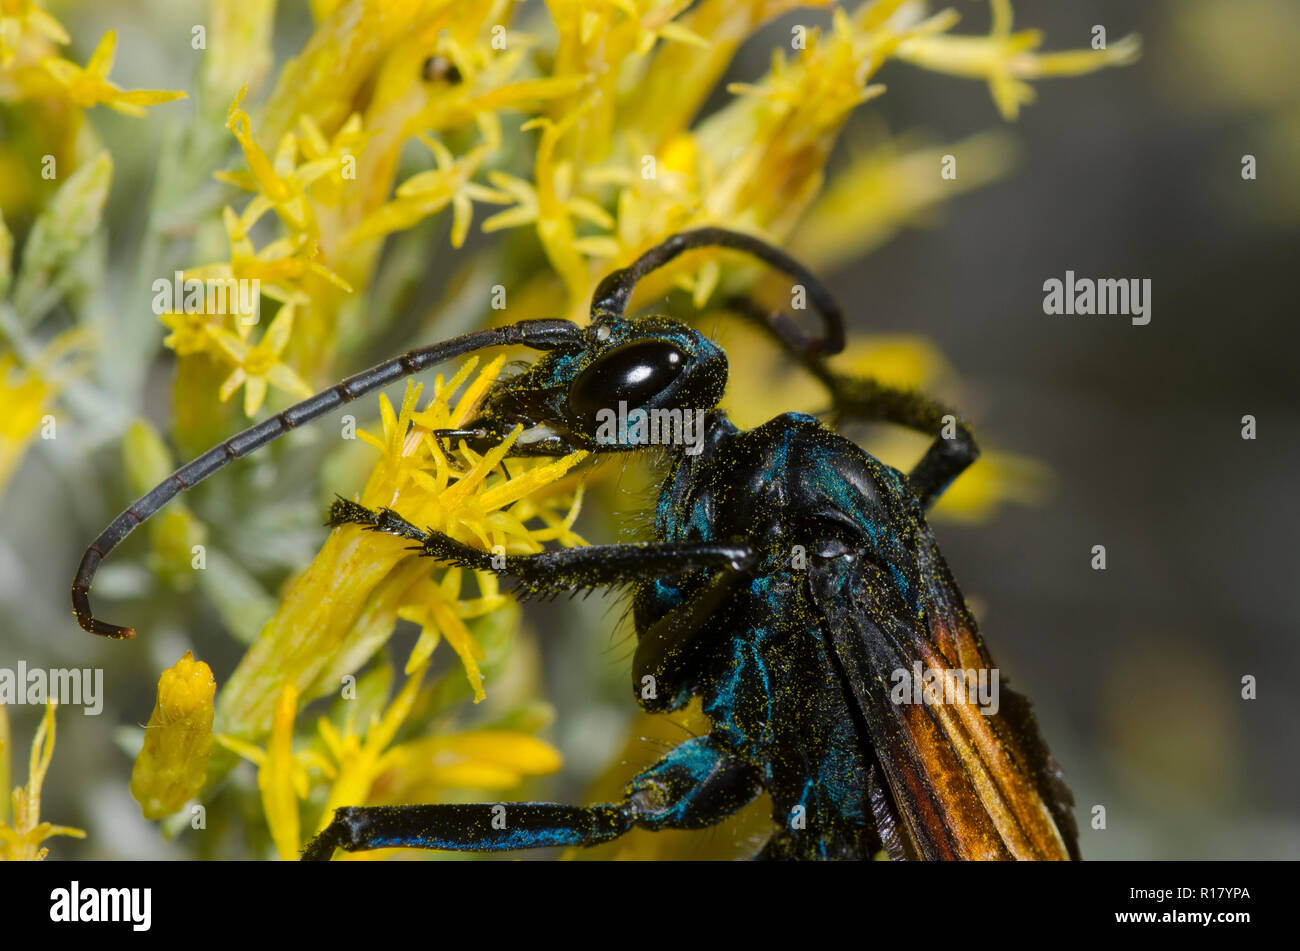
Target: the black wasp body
(792, 579)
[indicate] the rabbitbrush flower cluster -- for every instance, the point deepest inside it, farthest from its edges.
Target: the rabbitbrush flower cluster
(337, 180)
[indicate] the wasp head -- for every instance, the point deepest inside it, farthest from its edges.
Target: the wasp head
(634, 383)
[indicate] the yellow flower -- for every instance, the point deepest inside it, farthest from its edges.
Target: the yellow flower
(281, 774)
(337, 155)
(239, 50)
(26, 398)
(552, 206)
(602, 41)
(22, 840)
(348, 51)
(259, 366)
(19, 16)
(755, 164)
(282, 184)
(27, 394)
(476, 759)
(427, 193)
(436, 607)
(172, 764)
(781, 129)
(189, 332)
(630, 27)
(1006, 59)
(357, 760)
(342, 609)
(676, 78)
(281, 266)
(483, 91)
(368, 768)
(89, 86)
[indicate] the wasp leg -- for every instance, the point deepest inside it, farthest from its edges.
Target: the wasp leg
(954, 447)
(696, 785)
(553, 572)
(863, 398)
(469, 827)
(667, 647)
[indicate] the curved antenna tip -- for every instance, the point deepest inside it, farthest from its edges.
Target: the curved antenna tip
(92, 624)
(103, 629)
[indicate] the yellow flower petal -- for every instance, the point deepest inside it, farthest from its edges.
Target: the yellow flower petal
(21, 840)
(172, 765)
(276, 778)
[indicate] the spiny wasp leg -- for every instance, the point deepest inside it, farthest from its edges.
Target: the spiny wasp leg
(552, 572)
(695, 785)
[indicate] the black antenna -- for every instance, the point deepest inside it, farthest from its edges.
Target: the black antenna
(613, 293)
(538, 334)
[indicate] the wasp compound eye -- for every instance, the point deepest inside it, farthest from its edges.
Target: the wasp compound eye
(634, 373)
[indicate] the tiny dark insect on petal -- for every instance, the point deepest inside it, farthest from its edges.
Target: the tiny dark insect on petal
(440, 69)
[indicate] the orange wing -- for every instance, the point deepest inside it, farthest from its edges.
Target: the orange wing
(963, 784)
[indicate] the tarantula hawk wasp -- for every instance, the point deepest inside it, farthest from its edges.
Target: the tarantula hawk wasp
(793, 662)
